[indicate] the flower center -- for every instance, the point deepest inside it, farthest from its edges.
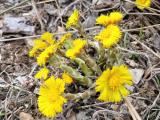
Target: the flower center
(114, 83)
(53, 97)
(143, 1)
(107, 35)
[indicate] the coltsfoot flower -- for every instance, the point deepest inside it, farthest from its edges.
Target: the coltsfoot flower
(113, 18)
(109, 36)
(42, 74)
(67, 78)
(141, 4)
(48, 37)
(73, 19)
(40, 44)
(44, 56)
(64, 38)
(111, 84)
(51, 100)
(78, 44)
(47, 46)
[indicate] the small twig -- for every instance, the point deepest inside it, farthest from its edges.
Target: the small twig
(137, 13)
(105, 110)
(34, 36)
(150, 50)
(74, 31)
(137, 29)
(106, 9)
(38, 16)
(134, 52)
(158, 116)
(96, 104)
(13, 7)
(132, 110)
(154, 102)
(37, 3)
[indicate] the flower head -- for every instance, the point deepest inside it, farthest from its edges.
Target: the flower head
(44, 56)
(73, 19)
(48, 37)
(64, 38)
(78, 44)
(40, 44)
(102, 20)
(109, 36)
(111, 84)
(67, 78)
(50, 100)
(141, 4)
(42, 74)
(113, 18)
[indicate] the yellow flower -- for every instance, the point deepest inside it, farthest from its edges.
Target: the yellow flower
(102, 20)
(109, 36)
(33, 51)
(42, 74)
(51, 100)
(141, 4)
(113, 18)
(40, 44)
(73, 19)
(48, 37)
(78, 44)
(64, 38)
(111, 84)
(43, 57)
(67, 78)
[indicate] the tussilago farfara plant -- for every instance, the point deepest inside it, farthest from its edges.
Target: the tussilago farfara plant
(142, 4)
(102, 72)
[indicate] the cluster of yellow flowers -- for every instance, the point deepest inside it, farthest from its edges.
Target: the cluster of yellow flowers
(113, 18)
(41, 44)
(141, 4)
(111, 34)
(46, 46)
(78, 44)
(111, 83)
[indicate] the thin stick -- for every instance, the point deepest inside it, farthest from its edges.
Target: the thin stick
(150, 50)
(13, 7)
(38, 16)
(136, 29)
(34, 36)
(37, 3)
(132, 110)
(74, 31)
(137, 13)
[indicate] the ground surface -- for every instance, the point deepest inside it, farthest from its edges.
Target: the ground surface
(21, 23)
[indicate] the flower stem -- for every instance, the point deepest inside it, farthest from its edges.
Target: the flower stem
(90, 62)
(85, 95)
(83, 66)
(76, 75)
